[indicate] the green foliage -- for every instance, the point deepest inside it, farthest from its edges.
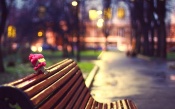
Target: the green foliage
(20, 69)
(52, 54)
(171, 56)
(90, 53)
(86, 66)
(52, 57)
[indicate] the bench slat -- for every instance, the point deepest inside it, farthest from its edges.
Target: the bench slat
(125, 104)
(45, 83)
(58, 63)
(100, 105)
(65, 98)
(80, 99)
(29, 76)
(94, 104)
(115, 105)
(40, 77)
(44, 94)
(89, 104)
(72, 101)
(105, 106)
(75, 97)
(83, 105)
(110, 105)
(119, 104)
(130, 104)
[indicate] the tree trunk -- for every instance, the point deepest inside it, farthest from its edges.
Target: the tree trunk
(138, 36)
(2, 28)
(161, 12)
(146, 40)
(163, 40)
(152, 49)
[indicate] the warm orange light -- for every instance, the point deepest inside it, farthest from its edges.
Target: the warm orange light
(11, 31)
(40, 34)
(121, 13)
(107, 13)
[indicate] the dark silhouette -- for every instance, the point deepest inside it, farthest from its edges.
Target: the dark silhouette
(148, 21)
(3, 7)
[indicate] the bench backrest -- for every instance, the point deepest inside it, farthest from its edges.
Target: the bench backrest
(63, 87)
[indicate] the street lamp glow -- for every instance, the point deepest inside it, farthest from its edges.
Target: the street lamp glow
(99, 12)
(100, 20)
(93, 14)
(40, 49)
(40, 34)
(74, 3)
(11, 31)
(100, 23)
(33, 48)
(121, 12)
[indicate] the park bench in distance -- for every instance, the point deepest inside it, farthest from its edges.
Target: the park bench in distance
(63, 87)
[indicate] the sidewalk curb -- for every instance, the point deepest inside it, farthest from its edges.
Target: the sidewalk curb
(101, 54)
(89, 80)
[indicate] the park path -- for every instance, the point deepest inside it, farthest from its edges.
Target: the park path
(145, 82)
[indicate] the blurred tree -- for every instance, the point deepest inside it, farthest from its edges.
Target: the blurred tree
(161, 28)
(136, 10)
(107, 15)
(3, 15)
(27, 22)
(148, 22)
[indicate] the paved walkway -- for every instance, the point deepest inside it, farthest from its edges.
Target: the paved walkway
(145, 82)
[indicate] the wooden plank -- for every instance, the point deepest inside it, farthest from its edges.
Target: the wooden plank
(105, 106)
(89, 104)
(16, 82)
(125, 105)
(131, 105)
(115, 105)
(64, 101)
(100, 105)
(80, 99)
(44, 93)
(59, 63)
(47, 82)
(110, 105)
(85, 101)
(119, 105)
(60, 94)
(21, 80)
(94, 105)
(75, 97)
(40, 77)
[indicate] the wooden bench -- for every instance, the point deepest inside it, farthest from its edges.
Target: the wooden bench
(63, 87)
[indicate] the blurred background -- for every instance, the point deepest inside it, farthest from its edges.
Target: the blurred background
(67, 28)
